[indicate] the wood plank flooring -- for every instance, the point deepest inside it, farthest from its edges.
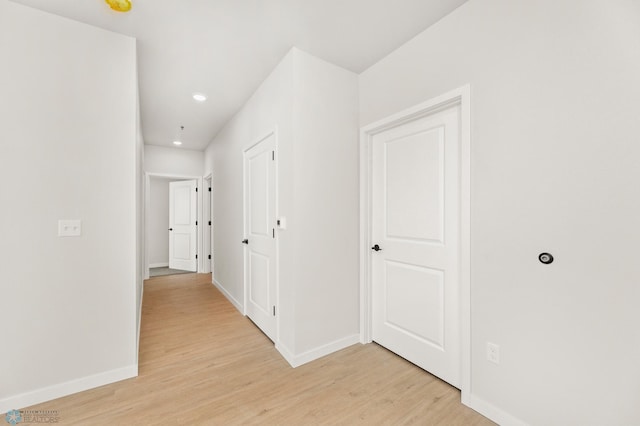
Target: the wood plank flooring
(203, 363)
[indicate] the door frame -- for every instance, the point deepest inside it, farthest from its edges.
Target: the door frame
(265, 135)
(207, 232)
(461, 97)
(147, 200)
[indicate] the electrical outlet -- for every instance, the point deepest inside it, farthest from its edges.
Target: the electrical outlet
(69, 228)
(493, 353)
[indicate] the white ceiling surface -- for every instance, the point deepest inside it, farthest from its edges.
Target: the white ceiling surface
(226, 48)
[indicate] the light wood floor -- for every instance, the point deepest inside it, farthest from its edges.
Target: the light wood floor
(203, 363)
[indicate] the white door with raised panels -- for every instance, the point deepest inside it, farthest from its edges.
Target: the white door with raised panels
(182, 225)
(259, 240)
(415, 254)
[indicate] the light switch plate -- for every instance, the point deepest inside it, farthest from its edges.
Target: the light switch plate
(69, 228)
(493, 353)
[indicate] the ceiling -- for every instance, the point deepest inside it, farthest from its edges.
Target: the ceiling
(226, 48)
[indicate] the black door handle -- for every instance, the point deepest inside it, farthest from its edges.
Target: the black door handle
(245, 241)
(170, 229)
(376, 248)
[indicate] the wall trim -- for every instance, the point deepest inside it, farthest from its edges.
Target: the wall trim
(66, 388)
(462, 97)
(490, 411)
(316, 353)
(228, 295)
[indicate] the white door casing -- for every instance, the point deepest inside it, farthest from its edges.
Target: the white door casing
(260, 243)
(415, 207)
(207, 222)
(183, 215)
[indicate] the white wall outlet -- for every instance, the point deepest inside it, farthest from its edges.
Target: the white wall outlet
(69, 228)
(493, 353)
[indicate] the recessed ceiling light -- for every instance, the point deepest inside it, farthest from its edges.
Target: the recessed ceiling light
(200, 97)
(177, 143)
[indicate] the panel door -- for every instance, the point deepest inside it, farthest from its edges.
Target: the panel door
(260, 251)
(182, 225)
(415, 224)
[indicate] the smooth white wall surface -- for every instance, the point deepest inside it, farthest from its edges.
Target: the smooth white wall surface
(158, 221)
(173, 161)
(312, 105)
(139, 213)
(326, 197)
(67, 151)
(555, 105)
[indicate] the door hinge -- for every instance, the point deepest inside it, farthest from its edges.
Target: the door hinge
(196, 223)
(209, 223)
(274, 310)
(273, 155)
(196, 189)
(196, 256)
(273, 232)
(209, 257)
(209, 189)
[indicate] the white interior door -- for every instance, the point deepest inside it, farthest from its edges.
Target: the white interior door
(260, 251)
(415, 222)
(182, 225)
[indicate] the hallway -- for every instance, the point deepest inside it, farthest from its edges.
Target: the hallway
(201, 362)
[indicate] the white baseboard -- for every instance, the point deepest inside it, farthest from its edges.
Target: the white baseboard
(48, 393)
(229, 297)
(319, 352)
(490, 411)
(159, 265)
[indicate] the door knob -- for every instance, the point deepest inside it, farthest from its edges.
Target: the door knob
(245, 241)
(376, 248)
(170, 229)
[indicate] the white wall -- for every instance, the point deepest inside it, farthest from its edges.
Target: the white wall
(140, 212)
(68, 151)
(555, 107)
(173, 161)
(158, 221)
(313, 106)
(326, 197)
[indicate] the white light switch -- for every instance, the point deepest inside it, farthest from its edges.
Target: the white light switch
(69, 228)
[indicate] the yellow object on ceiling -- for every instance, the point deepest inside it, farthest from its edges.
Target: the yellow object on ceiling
(119, 5)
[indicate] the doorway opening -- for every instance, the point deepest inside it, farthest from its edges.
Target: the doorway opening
(415, 235)
(260, 243)
(173, 217)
